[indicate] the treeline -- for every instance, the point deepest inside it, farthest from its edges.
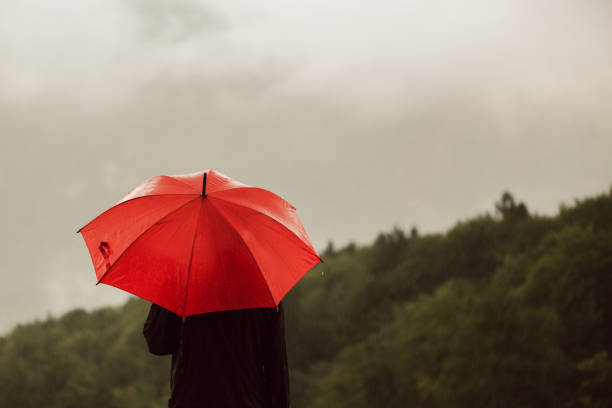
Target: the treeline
(503, 310)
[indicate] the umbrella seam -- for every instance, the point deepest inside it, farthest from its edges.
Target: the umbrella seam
(127, 201)
(255, 188)
(195, 233)
(180, 181)
(140, 235)
(272, 218)
(248, 250)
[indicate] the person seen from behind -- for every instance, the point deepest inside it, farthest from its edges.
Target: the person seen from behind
(226, 359)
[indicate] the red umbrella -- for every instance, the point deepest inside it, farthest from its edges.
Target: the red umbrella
(200, 243)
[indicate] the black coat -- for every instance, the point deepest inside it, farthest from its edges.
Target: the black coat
(229, 359)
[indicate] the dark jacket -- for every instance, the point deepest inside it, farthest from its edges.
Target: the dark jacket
(229, 359)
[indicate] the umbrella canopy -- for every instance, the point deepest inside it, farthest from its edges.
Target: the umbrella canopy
(200, 243)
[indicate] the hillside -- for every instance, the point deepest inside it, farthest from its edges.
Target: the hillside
(503, 310)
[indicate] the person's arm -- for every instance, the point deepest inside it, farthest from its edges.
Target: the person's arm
(276, 370)
(161, 330)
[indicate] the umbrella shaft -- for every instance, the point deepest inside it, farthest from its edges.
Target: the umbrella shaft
(204, 186)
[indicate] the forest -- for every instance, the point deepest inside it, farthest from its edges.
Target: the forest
(505, 309)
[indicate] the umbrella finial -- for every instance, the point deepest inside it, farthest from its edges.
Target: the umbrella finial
(204, 186)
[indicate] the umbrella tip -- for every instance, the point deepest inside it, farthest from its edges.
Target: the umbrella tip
(204, 185)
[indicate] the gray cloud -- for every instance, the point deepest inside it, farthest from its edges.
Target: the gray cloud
(174, 21)
(361, 128)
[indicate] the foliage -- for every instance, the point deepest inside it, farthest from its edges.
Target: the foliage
(503, 310)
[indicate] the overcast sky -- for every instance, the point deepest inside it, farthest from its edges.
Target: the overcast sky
(362, 114)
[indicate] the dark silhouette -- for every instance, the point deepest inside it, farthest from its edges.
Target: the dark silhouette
(510, 209)
(234, 358)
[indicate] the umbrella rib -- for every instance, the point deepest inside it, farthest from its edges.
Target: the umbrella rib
(252, 188)
(127, 201)
(182, 182)
(141, 234)
(272, 218)
(246, 246)
(195, 233)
